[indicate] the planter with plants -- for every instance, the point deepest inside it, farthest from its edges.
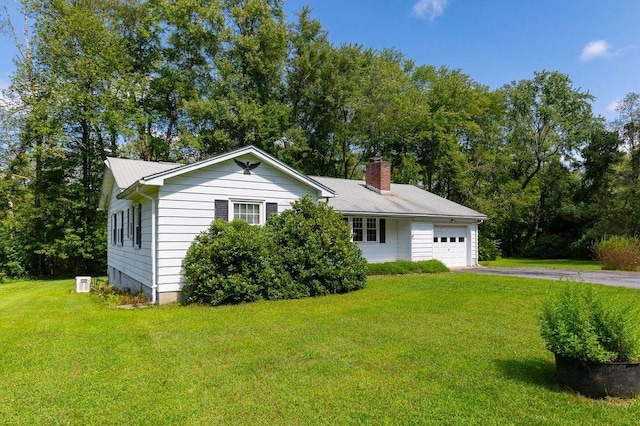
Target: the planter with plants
(595, 340)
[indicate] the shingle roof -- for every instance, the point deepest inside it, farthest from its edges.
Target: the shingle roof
(127, 172)
(352, 196)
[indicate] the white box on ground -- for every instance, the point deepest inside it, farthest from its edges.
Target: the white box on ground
(83, 284)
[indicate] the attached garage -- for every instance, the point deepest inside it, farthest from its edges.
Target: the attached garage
(451, 245)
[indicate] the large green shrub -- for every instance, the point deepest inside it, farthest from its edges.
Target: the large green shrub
(313, 251)
(229, 263)
(304, 251)
(581, 323)
(619, 253)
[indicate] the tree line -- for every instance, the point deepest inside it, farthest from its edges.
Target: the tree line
(183, 80)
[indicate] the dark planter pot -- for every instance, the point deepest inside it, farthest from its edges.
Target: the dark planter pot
(598, 380)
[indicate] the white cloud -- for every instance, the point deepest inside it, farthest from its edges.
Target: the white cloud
(429, 8)
(613, 106)
(596, 49)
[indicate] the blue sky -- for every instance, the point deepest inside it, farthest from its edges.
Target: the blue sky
(595, 42)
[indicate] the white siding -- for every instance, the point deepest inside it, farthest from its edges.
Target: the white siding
(376, 252)
(186, 207)
(404, 239)
(128, 259)
(421, 240)
(473, 243)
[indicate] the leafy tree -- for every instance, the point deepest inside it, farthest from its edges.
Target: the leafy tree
(242, 105)
(546, 118)
(324, 88)
(546, 122)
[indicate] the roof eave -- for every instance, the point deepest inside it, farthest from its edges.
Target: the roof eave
(131, 189)
(410, 215)
(108, 180)
(158, 179)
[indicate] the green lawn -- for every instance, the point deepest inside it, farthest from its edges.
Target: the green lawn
(438, 349)
(580, 265)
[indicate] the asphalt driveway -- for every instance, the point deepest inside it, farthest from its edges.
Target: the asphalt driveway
(612, 278)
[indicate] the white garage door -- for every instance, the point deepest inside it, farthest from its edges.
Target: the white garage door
(450, 245)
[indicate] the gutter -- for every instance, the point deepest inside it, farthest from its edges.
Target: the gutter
(154, 279)
(480, 219)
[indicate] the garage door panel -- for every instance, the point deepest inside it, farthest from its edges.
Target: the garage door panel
(450, 245)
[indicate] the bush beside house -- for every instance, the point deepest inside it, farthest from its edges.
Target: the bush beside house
(304, 251)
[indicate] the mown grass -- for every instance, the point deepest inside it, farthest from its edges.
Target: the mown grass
(580, 265)
(417, 349)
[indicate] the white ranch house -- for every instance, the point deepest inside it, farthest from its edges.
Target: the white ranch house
(156, 209)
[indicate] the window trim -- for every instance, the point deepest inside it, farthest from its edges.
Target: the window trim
(375, 229)
(117, 228)
(365, 220)
(238, 201)
(360, 228)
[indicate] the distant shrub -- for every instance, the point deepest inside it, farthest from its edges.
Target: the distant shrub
(312, 251)
(304, 251)
(581, 323)
(619, 253)
(229, 263)
(402, 267)
(488, 249)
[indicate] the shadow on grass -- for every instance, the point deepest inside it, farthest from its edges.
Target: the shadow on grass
(537, 372)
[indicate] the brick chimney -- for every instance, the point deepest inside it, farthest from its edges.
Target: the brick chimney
(378, 176)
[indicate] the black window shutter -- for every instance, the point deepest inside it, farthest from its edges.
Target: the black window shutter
(272, 208)
(113, 228)
(139, 227)
(222, 210)
(383, 230)
(121, 227)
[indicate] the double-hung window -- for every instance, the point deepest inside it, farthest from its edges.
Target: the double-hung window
(117, 228)
(369, 229)
(372, 229)
(249, 212)
(356, 227)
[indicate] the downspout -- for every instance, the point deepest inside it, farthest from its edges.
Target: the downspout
(154, 283)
